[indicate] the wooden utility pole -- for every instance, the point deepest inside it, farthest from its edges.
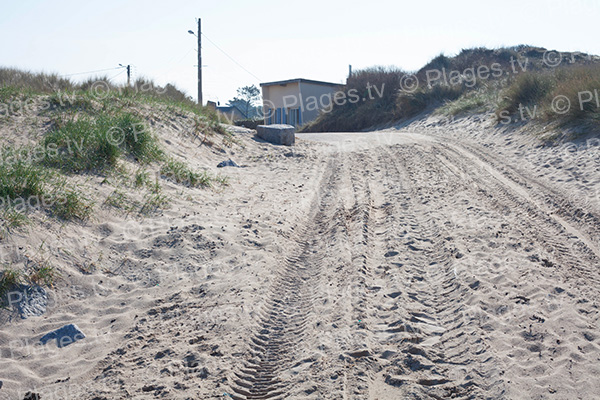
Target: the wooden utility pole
(200, 62)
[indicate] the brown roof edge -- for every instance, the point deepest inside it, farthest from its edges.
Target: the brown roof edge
(300, 80)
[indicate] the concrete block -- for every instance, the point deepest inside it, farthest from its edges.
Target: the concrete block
(277, 134)
(64, 336)
(32, 301)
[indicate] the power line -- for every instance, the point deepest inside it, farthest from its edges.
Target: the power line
(91, 72)
(110, 79)
(231, 58)
(171, 62)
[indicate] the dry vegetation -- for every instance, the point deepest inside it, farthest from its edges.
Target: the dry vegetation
(519, 78)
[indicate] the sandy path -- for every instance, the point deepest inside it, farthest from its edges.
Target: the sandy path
(385, 265)
(429, 270)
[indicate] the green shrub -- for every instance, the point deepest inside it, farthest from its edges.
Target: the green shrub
(575, 86)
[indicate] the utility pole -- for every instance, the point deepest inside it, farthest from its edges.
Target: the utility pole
(199, 36)
(200, 62)
(128, 72)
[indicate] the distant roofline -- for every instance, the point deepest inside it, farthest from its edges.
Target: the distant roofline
(221, 109)
(300, 80)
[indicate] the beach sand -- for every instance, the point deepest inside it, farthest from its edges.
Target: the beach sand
(433, 260)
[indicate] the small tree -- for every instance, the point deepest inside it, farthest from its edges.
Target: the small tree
(245, 100)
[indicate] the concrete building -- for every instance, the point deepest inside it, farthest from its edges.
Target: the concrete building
(296, 101)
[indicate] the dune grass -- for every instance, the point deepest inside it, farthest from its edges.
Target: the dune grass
(512, 78)
(25, 184)
(482, 100)
(94, 126)
(565, 95)
(71, 203)
(581, 85)
(43, 274)
(20, 178)
(93, 144)
(9, 279)
(10, 219)
(181, 173)
(526, 90)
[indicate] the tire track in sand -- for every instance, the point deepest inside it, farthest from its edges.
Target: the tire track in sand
(280, 331)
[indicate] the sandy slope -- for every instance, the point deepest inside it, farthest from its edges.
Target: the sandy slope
(408, 264)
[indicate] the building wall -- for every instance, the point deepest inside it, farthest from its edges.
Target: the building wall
(277, 100)
(276, 93)
(313, 95)
(309, 98)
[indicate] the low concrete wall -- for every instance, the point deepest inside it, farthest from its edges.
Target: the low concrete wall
(277, 134)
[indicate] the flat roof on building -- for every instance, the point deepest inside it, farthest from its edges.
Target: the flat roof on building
(283, 83)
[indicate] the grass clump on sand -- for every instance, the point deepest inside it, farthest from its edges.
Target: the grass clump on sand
(24, 184)
(94, 144)
(70, 203)
(43, 274)
(21, 185)
(154, 200)
(20, 178)
(11, 219)
(477, 101)
(181, 173)
(9, 280)
(141, 178)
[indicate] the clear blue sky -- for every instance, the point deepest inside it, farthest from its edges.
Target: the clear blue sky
(276, 39)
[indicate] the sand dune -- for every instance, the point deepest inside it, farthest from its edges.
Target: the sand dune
(426, 262)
